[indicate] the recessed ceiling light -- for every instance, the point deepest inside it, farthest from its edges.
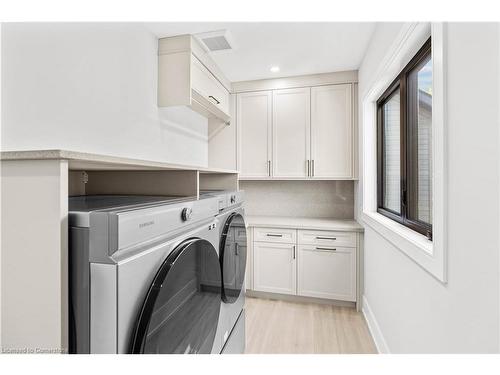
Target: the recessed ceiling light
(275, 69)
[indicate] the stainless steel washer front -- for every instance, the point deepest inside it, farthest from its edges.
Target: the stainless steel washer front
(126, 295)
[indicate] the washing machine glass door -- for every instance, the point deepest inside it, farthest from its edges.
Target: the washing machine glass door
(233, 257)
(181, 309)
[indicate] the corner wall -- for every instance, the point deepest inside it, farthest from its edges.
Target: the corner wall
(413, 311)
(91, 87)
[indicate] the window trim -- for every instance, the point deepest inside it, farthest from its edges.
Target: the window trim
(407, 163)
(431, 256)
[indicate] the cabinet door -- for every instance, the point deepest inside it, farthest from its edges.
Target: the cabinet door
(274, 267)
(331, 132)
(207, 85)
(327, 272)
(291, 132)
(254, 116)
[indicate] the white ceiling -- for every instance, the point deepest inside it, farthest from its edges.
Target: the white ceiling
(297, 48)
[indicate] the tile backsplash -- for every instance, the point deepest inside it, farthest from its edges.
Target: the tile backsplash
(319, 199)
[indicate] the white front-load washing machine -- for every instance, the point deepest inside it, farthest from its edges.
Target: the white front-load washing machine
(144, 275)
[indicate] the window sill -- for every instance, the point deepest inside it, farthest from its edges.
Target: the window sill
(415, 245)
(396, 233)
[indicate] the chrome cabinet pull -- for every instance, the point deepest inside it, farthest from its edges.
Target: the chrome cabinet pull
(326, 238)
(308, 169)
(215, 99)
(274, 235)
(312, 174)
(326, 249)
(269, 168)
(293, 251)
(236, 249)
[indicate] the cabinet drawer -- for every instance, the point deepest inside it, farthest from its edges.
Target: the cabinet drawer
(275, 235)
(327, 273)
(327, 238)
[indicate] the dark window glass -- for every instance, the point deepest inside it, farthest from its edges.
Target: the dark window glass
(392, 153)
(181, 310)
(233, 248)
(404, 126)
(420, 130)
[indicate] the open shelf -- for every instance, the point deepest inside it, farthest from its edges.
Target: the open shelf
(104, 174)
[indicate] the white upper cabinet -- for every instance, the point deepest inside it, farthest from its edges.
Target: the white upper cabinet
(205, 83)
(331, 132)
(299, 133)
(188, 76)
(291, 132)
(254, 119)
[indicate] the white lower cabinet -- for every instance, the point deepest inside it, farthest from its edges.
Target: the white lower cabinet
(306, 263)
(275, 267)
(327, 272)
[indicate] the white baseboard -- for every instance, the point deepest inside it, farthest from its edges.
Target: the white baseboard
(374, 328)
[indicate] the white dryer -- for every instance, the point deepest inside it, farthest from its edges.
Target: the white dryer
(232, 258)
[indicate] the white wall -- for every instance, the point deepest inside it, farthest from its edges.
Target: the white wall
(414, 311)
(92, 88)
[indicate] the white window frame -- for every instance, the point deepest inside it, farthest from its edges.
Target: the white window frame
(430, 255)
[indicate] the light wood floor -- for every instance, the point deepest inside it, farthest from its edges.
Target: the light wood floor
(288, 327)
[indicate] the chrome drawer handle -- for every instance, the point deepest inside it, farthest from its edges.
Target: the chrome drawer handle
(326, 249)
(274, 235)
(326, 238)
(210, 96)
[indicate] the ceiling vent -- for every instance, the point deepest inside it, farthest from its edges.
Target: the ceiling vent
(216, 41)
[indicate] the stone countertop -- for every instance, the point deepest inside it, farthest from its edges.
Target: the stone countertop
(304, 223)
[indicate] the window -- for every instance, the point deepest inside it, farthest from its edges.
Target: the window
(404, 146)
